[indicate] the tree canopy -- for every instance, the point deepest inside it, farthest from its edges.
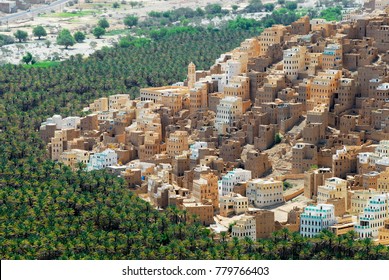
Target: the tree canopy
(27, 58)
(332, 13)
(103, 23)
(66, 39)
(98, 32)
(6, 40)
(39, 31)
(254, 6)
(79, 36)
(291, 5)
(130, 20)
(213, 9)
(21, 35)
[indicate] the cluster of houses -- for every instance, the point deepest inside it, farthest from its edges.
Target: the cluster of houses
(202, 145)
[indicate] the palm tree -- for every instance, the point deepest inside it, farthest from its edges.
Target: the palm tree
(366, 248)
(248, 245)
(327, 239)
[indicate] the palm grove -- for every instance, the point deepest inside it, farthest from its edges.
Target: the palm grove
(48, 211)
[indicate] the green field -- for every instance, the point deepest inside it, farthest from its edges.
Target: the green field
(42, 64)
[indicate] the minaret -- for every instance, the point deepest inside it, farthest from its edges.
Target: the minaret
(191, 75)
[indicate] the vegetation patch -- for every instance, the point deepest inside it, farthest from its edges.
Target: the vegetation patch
(42, 64)
(118, 32)
(71, 14)
(332, 13)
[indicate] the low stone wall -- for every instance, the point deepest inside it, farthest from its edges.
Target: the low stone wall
(289, 176)
(293, 195)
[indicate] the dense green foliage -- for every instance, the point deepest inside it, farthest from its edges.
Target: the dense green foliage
(66, 39)
(291, 5)
(254, 6)
(174, 15)
(215, 9)
(79, 36)
(277, 138)
(286, 185)
(332, 13)
(98, 32)
(269, 7)
(27, 58)
(42, 64)
(130, 20)
(284, 15)
(103, 23)
(246, 24)
(6, 40)
(21, 35)
(129, 41)
(39, 31)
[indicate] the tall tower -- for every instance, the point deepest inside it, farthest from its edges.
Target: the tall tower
(191, 75)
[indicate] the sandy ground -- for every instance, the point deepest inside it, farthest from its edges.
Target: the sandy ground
(280, 157)
(224, 222)
(281, 212)
(104, 8)
(14, 53)
(297, 184)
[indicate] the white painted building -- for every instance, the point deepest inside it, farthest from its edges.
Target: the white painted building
(220, 79)
(314, 219)
(231, 179)
(262, 192)
(70, 122)
(382, 149)
(194, 148)
(245, 227)
(294, 61)
(232, 68)
(364, 158)
(380, 155)
(228, 110)
(102, 160)
(57, 119)
(384, 163)
(373, 217)
(317, 21)
(163, 171)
